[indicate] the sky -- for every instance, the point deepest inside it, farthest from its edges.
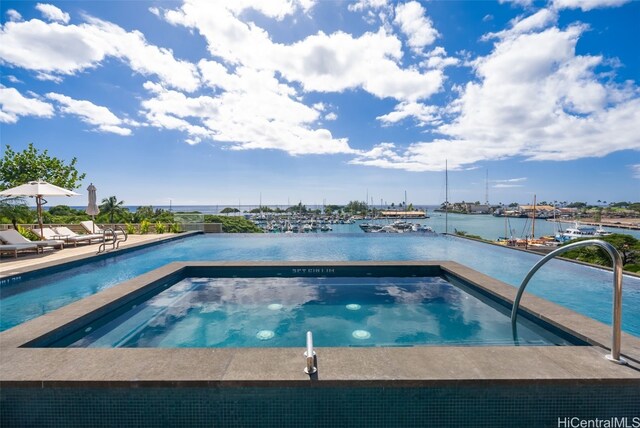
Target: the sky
(282, 101)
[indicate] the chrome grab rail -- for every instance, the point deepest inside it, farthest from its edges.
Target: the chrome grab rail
(617, 290)
(107, 232)
(113, 236)
(309, 355)
(118, 240)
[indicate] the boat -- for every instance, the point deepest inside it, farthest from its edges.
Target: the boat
(370, 227)
(582, 231)
(396, 227)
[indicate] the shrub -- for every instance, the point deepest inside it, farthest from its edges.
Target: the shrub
(233, 224)
(160, 227)
(144, 227)
(175, 228)
(130, 228)
(28, 233)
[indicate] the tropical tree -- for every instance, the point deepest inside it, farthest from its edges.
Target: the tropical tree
(28, 165)
(229, 210)
(143, 213)
(356, 207)
(112, 208)
(300, 209)
(15, 210)
(627, 246)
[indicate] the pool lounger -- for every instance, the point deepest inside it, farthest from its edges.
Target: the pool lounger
(93, 228)
(5, 248)
(69, 236)
(13, 237)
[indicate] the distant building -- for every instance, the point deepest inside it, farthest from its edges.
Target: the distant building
(403, 214)
(478, 209)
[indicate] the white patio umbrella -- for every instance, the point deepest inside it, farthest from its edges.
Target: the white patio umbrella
(92, 207)
(38, 189)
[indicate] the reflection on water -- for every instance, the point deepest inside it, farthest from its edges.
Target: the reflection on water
(276, 312)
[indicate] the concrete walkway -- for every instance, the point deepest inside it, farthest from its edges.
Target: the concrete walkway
(10, 265)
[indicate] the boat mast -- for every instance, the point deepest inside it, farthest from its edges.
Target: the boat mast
(446, 198)
(366, 205)
(504, 213)
(486, 189)
(533, 220)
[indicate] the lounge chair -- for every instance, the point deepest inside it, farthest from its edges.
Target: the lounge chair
(91, 227)
(13, 237)
(72, 236)
(69, 236)
(14, 248)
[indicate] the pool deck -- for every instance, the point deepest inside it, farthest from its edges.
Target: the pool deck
(25, 363)
(26, 262)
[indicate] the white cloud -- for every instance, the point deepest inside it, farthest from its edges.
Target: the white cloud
(424, 114)
(53, 13)
(523, 3)
(13, 104)
(508, 183)
(13, 15)
(13, 79)
(636, 170)
(53, 50)
(506, 186)
(510, 180)
(92, 114)
(411, 19)
(526, 24)
(586, 5)
(534, 99)
(321, 62)
(253, 110)
(331, 116)
(361, 5)
(437, 58)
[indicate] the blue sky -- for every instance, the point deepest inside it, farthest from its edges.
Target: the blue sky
(326, 101)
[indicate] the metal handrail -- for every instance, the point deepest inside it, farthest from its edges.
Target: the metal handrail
(617, 290)
(115, 236)
(309, 355)
(103, 246)
(115, 240)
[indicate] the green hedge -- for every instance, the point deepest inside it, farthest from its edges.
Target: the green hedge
(235, 224)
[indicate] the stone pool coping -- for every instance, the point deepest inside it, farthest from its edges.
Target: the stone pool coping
(353, 367)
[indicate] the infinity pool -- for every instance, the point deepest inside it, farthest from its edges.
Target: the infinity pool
(583, 289)
(340, 311)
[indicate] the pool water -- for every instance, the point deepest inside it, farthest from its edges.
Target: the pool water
(340, 311)
(583, 289)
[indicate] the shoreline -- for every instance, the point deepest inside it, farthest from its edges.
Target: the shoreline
(630, 223)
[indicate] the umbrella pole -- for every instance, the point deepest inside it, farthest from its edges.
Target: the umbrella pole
(93, 223)
(39, 211)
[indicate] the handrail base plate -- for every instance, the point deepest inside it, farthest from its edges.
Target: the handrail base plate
(620, 361)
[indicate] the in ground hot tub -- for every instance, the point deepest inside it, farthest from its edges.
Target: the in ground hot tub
(276, 311)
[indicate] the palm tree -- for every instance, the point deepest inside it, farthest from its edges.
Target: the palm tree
(112, 207)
